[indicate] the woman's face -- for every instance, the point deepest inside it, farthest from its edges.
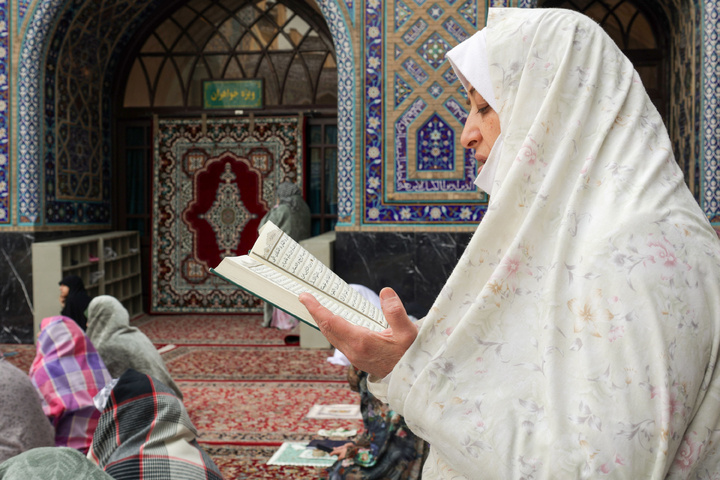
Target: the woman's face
(482, 128)
(64, 290)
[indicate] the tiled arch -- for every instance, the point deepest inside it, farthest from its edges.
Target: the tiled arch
(38, 108)
(24, 206)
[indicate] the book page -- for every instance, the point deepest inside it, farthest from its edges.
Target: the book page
(277, 248)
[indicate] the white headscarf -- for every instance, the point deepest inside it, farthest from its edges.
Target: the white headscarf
(469, 60)
(578, 334)
(122, 345)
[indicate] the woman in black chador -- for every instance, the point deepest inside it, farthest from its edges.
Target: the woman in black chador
(74, 300)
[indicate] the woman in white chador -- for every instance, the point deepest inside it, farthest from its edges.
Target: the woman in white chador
(578, 335)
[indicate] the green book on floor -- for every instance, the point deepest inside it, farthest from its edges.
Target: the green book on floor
(298, 454)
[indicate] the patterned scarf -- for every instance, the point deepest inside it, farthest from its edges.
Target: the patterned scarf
(68, 372)
(145, 432)
(578, 334)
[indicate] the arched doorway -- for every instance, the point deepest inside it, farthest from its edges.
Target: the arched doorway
(286, 50)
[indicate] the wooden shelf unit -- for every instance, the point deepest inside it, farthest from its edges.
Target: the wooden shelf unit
(108, 263)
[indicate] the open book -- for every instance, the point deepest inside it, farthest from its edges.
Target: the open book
(278, 270)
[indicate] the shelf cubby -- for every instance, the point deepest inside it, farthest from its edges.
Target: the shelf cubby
(108, 263)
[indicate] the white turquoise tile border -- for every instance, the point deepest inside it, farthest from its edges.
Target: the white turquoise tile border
(346, 109)
(29, 95)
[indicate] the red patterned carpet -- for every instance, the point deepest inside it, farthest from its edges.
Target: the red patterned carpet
(246, 391)
(248, 462)
(210, 329)
(262, 412)
(251, 363)
(19, 355)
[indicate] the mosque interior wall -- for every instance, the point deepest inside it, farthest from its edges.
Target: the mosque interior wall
(406, 206)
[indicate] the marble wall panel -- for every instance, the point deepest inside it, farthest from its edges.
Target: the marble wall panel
(415, 264)
(16, 318)
(16, 290)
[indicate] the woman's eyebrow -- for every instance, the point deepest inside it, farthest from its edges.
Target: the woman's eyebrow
(469, 94)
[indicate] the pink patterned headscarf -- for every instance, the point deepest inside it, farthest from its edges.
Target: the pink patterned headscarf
(68, 372)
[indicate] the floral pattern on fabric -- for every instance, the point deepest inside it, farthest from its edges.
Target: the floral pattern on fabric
(578, 335)
(386, 450)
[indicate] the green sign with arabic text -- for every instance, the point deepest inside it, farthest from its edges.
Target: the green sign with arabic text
(233, 93)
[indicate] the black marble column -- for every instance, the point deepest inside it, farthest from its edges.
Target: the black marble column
(415, 265)
(16, 318)
(16, 291)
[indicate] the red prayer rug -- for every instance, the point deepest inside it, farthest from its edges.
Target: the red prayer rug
(263, 412)
(249, 462)
(21, 356)
(210, 330)
(213, 182)
(252, 363)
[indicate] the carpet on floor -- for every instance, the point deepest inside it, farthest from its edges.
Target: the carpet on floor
(252, 363)
(263, 412)
(21, 356)
(249, 462)
(245, 390)
(211, 329)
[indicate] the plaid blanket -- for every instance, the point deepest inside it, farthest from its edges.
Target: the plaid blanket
(145, 432)
(68, 372)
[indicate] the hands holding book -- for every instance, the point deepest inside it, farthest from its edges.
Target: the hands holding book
(376, 353)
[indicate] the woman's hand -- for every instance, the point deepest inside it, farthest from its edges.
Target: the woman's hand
(376, 353)
(341, 452)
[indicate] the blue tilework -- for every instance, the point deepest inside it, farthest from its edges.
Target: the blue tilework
(346, 107)
(402, 90)
(402, 14)
(710, 132)
(5, 217)
(435, 144)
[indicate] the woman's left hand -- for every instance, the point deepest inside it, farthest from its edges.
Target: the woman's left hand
(376, 353)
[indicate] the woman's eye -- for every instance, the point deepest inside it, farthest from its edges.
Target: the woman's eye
(483, 110)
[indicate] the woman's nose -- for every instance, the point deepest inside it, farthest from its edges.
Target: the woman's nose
(470, 136)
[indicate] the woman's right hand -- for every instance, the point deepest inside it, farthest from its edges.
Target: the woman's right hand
(376, 353)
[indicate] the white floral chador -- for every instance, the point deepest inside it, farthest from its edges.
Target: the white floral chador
(578, 335)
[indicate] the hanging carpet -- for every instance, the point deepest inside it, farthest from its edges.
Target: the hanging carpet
(213, 182)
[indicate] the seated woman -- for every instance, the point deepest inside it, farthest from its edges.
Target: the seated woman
(68, 372)
(23, 424)
(122, 346)
(51, 462)
(74, 300)
(292, 215)
(129, 444)
(386, 450)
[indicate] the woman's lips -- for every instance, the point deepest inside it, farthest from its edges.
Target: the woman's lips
(480, 160)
